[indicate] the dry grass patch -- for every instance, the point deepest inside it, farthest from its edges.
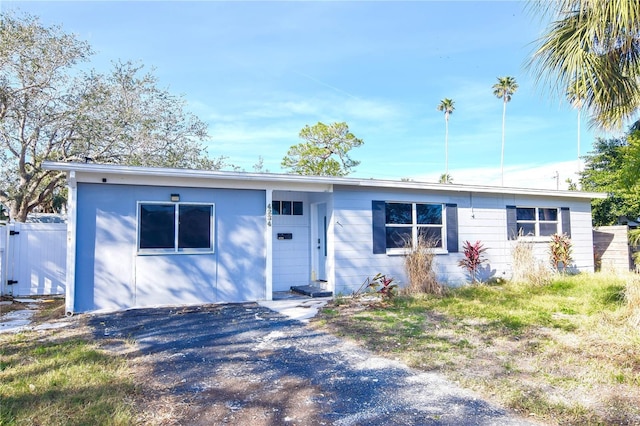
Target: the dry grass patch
(418, 264)
(526, 268)
(564, 353)
(632, 300)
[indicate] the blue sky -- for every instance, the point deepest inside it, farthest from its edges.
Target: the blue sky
(258, 72)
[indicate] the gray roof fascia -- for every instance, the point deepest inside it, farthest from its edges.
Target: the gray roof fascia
(265, 178)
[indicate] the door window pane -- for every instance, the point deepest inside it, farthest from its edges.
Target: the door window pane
(285, 208)
(289, 208)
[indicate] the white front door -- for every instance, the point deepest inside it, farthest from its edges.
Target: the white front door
(321, 242)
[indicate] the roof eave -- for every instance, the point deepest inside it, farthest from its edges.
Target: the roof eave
(132, 171)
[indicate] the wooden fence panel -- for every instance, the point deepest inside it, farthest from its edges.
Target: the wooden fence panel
(611, 248)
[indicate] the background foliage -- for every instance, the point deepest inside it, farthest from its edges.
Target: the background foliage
(53, 108)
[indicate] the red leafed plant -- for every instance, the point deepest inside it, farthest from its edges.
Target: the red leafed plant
(473, 258)
(560, 252)
(383, 285)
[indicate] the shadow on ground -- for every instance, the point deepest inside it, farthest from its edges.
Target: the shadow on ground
(246, 364)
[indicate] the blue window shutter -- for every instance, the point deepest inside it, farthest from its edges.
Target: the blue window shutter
(565, 215)
(512, 223)
(379, 219)
(452, 228)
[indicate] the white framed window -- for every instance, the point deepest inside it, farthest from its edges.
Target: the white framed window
(537, 221)
(175, 227)
(407, 223)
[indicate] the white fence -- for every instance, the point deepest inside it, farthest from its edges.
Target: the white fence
(33, 258)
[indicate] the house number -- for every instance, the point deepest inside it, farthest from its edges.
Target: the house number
(268, 214)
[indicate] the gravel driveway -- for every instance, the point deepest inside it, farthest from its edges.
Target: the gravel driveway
(246, 364)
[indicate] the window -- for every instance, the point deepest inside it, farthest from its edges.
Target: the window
(286, 208)
(175, 227)
(395, 223)
(407, 223)
(537, 221)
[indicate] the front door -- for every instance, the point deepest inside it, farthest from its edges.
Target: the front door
(321, 246)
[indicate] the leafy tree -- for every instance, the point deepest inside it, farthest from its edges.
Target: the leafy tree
(571, 185)
(259, 166)
(447, 106)
(504, 89)
(51, 110)
(593, 45)
(324, 152)
(604, 173)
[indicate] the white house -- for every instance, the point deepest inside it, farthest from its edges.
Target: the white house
(156, 236)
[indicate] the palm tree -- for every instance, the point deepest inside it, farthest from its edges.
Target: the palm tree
(504, 89)
(445, 178)
(446, 105)
(575, 95)
(595, 43)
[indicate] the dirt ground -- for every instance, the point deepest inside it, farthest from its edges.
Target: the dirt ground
(545, 364)
(245, 364)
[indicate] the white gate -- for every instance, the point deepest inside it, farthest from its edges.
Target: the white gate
(3, 257)
(34, 258)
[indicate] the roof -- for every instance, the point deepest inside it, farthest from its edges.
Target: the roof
(119, 174)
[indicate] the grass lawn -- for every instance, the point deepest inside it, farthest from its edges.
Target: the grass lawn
(565, 353)
(62, 378)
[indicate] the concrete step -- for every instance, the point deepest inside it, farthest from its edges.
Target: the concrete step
(311, 291)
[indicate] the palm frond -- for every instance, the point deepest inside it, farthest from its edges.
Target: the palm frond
(593, 45)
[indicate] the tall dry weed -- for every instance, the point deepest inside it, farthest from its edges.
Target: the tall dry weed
(526, 268)
(632, 300)
(419, 264)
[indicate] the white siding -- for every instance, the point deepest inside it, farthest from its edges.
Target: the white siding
(480, 217)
